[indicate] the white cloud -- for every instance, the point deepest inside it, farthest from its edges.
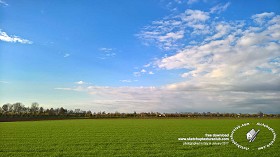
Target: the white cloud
(127, 99)
(143, 71)
(192, 1)
(219, 8)
(128, 81)
(151, 73)
(166, 99)
(59, 88)
(3, 3)
(196, 19)
(261, 18)
(221, 29)
(234, 64)
(179, 1)
(107, 52)
(236, 58)
(5, 82)
(66, 55)
(241, 60)
(234, 68)
(104, 49)
(80, 82)
(147, 65)
(137, 74)
(195, 16)
(5, 37)
(168, 33)
(172, 36)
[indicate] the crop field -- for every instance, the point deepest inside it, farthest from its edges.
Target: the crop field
(132, 137)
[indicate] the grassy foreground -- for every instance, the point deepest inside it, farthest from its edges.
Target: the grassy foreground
(127, 137)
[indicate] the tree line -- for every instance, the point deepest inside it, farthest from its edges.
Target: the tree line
(18, 111)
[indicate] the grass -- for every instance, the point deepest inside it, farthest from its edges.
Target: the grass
(127, 137)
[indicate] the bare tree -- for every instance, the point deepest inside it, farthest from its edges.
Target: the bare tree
(10, 108)
(18, 107)
(5, 107)
(34, 107)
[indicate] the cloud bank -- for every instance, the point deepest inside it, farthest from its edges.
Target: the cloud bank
(229, 66)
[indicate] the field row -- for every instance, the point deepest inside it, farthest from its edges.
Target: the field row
(124, 137)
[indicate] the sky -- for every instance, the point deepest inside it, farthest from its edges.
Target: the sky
(143, 56)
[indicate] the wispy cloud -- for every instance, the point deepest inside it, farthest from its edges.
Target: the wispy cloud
(219, 8)
(3, 3)
(59, 88)
(192, 1)
(106, 49)
(179, 1)
(66, 55)
(136, 74)
(107, 52)
(151, 73)
(167, 34)
(7, 38)
(170, 32)
(128, 81)
(5, 82)
(262, 18)
(143, 72)
(80, 82)
(147, 65)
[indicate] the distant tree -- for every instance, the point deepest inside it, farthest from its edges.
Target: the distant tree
(18, 107)
(34, 107)
(88, 113)
(5, 107)
(77, 110)
(10, 108)
(47, 111)
(51, 111)
(56, 111)
(62, 111)
(41, 110)
(70, 111)
(260, 114)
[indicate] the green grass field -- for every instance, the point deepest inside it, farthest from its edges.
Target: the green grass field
(128, 137)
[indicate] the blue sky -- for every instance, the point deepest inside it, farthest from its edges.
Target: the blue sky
(151, 55)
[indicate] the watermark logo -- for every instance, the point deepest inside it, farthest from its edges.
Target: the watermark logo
(247, 136)
(266, 136)
(252, 134)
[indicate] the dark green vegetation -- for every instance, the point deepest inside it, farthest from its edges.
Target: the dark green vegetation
(124, 137)
(19, 112)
